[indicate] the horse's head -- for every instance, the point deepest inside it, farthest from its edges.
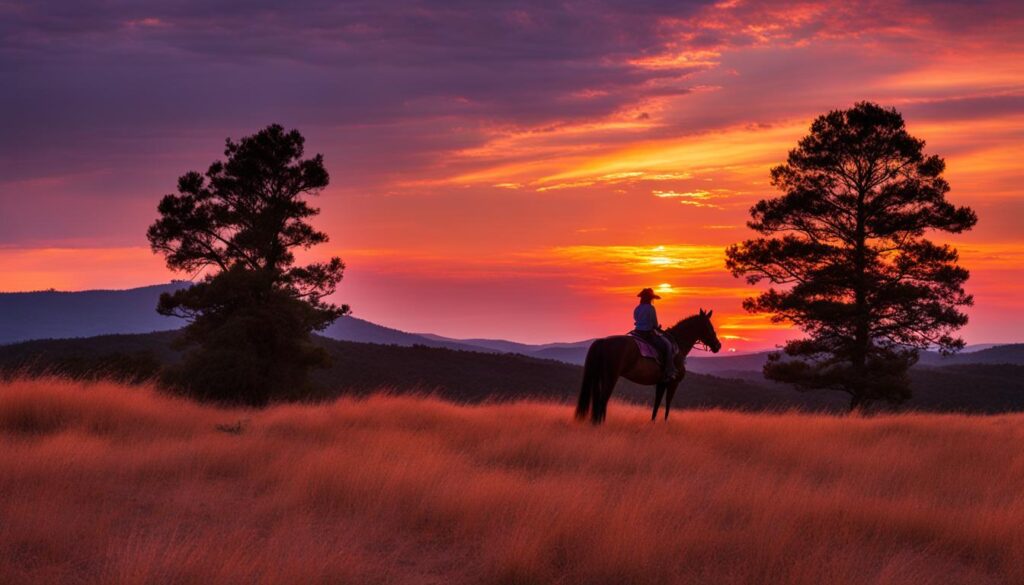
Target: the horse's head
(706, 332)
(693, 329)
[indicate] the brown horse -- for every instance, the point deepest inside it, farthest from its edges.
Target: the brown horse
(618, 355)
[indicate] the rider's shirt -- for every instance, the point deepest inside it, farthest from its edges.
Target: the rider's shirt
(645, 318)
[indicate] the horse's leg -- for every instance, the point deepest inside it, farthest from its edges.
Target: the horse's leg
(600, 401)
(597, 402)
(681, 369)
(600, 405)
(659, 391)
(608, 380)
(618, 356)
(668, 397)
(591, 377)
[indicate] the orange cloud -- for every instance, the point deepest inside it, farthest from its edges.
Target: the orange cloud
(643, 259)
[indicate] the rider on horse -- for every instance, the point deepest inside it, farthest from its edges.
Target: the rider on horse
(646, 327)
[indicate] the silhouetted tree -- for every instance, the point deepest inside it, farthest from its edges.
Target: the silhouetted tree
(846, 238)
(253, 312)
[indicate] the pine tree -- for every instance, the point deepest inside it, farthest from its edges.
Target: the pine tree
(846, 244)
(252, 314)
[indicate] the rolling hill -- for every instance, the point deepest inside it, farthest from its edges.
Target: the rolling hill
(349, 328)
(30, 316)
(54, 314)
(59, 315)
(471, 376)
(743, 365)
(360, 368)
(367, 356)
(569, 352)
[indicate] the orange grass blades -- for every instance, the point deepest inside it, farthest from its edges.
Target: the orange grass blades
(103, 483)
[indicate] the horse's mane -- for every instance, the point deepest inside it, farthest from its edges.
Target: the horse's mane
(684, 322)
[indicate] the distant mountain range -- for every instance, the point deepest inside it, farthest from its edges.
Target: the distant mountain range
(66, 315)
(61, 315)
(54, 314)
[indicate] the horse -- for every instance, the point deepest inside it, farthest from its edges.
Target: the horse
(611, 357)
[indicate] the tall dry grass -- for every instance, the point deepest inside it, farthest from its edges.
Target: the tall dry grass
(101, 483)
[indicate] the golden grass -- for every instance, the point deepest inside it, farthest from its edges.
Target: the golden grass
(101, 483)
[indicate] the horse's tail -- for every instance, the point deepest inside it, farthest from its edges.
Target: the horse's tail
(590, 379)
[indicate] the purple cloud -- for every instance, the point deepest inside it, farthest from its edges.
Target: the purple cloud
(112, 99)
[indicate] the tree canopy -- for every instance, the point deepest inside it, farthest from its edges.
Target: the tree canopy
(846, 242)
(254, 309)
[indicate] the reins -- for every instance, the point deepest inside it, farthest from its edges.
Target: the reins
(701, 345)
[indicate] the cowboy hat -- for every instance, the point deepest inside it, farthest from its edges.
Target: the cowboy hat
(648, 293)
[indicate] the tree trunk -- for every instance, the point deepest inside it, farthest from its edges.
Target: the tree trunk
(862, 339)
(857, 403)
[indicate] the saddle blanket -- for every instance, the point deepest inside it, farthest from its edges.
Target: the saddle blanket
(649, 351)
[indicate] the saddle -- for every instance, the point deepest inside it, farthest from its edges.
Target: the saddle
(649, 351)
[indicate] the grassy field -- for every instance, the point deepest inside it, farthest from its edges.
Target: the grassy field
(101, 483)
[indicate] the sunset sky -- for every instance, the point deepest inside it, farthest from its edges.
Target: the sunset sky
(516, 171)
